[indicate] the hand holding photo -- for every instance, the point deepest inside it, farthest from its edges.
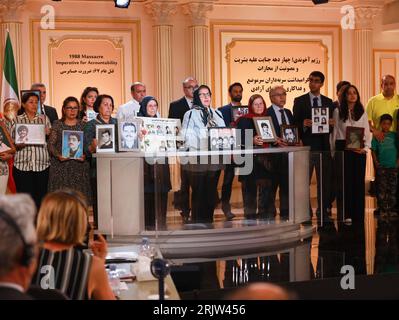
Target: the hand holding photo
(320, 118)
(237, 112)
(221, 138)
(72, 144)
(354, 138)
(264, 128)
(30, 134)
(290, 134)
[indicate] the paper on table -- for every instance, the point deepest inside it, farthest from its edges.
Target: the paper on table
(142, 269)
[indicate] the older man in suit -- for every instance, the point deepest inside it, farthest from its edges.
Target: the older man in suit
(280, 116)
(49, 111)
(320, 157)
(177, 110)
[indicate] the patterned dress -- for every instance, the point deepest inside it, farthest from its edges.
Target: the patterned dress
(72, 174)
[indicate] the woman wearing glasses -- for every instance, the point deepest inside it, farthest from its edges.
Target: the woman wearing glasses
(203, 177)
(67, 170)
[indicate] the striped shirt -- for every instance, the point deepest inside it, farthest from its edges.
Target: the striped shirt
(32, 157)
(71, 271)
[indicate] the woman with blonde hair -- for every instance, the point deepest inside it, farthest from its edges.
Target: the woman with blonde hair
(61, 226)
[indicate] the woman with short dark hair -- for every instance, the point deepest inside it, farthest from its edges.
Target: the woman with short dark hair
(68, 170)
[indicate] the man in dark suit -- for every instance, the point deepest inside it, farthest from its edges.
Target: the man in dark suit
(280, 116)
(17, 246)
(177, 109)
(49, 111)
(235, 93)
(320, 156)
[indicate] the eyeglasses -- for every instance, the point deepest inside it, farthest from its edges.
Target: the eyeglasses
(205, 94)
(71, 108)
(279, 94)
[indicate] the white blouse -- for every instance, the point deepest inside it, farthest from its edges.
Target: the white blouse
(340, 128)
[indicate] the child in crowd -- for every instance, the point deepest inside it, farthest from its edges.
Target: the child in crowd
(386, 162)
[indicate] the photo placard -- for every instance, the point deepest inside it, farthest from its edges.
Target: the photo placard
(105, 135)
(264, 128)
(30, 133)
(320, 117)
(222, 138)
(128, 134)
(290, 134)
(354, 138)
(72, 144)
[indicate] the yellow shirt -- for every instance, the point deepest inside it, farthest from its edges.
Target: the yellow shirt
(379, 105)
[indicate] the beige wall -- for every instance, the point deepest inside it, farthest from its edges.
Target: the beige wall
(226, 11)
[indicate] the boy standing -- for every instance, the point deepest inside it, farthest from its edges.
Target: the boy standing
(385, 160)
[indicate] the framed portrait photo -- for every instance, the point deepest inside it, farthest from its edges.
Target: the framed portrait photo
(128, 134)
(72, 144)
(290, 134)
(6, 144)
(221, 138)
(105, 135)
(37, 93)
(320, 117)
(264, 128)
(237, 112)
(30, 133)
(354, 138)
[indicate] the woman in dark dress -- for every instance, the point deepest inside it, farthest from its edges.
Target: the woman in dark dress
(255, 186)
(156, 178)
(66, 172)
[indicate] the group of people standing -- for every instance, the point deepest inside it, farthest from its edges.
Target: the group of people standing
(340, 173)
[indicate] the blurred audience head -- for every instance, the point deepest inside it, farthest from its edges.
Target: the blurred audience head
(63, 218)
(261, 291)
(17, 239)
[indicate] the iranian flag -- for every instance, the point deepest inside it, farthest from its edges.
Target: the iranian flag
(9, 99)
(9, 90)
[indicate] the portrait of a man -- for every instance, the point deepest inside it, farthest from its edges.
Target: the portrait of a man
(72, 142)
(290, 134)
(106, 139)
(265, 130)
(354, 138)
(129, 136)
(22, 135)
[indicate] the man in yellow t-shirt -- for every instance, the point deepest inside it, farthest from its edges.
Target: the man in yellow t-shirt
(385, 102)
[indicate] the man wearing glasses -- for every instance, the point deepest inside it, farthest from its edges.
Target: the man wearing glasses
(177, 109)
(49, 111)
(320, 157)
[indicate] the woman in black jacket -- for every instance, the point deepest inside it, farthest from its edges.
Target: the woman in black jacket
(156, 178)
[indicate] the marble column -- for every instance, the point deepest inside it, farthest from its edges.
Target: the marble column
(161, 12)
(10, 21)
(199, 39)
(365, 17)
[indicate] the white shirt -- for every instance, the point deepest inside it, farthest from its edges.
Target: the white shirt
(339, 132)
(312, 96)
(128, 110)
(278, 114)
(189, 102)
(12, 286)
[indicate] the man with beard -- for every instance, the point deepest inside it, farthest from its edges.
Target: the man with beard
(235, 93)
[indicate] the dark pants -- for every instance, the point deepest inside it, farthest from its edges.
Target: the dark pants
(184, 192)
(256, 196)
(33, 183)
(203, 195)
(228, 179)
(338, 178)
(386, 189)
(354, 185)
(279, 179)
(155, 206)
(322, 163)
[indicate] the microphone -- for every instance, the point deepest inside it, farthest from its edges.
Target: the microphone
(185, 133)
(160, 269)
